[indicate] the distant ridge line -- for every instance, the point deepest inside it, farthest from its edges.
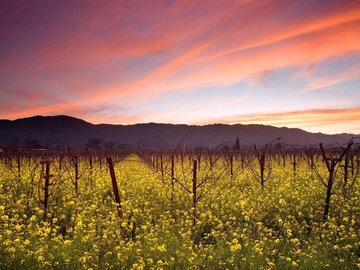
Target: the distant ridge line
(63, 130)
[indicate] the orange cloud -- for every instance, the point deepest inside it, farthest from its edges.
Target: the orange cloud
(327, 38)
(65, 108)
(179, 75)
(289, 30)
(329, 120)
(122, 52)
(296, 51)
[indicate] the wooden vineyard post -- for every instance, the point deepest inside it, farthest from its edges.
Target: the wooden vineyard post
(115, 186)
(294, 163)
(46, 187)
(91, 165)
(172, 177)
(199, 161)
(76, 163)
(194, 189)
(60, 161)
(231, 157)
(242, 161)
(19, 165)
(156, 163)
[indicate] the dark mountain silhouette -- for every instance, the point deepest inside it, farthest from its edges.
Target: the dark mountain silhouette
(64, 130)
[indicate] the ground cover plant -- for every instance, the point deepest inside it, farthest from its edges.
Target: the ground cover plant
(258, 208)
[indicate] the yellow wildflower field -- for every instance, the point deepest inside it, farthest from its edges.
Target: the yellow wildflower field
(236, 223)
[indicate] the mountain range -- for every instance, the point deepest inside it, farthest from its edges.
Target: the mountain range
(65, 130)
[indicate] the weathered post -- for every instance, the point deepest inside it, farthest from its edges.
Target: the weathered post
(115, 186)
(46, 187)
(194, 190)
(172, 177)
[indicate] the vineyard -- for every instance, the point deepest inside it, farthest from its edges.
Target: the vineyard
(258, 207)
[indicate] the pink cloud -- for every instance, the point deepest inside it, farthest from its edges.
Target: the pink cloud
(120, 52)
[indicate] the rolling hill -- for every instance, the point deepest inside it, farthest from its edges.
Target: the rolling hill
(65, 130)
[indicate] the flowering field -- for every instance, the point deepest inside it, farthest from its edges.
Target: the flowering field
(237, 224)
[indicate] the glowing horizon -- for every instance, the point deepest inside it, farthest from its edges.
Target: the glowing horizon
(280, 63)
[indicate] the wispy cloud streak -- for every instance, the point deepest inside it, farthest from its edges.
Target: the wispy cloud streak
(76, 57)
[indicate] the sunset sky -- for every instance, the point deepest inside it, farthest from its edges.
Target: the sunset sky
(283, 63)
